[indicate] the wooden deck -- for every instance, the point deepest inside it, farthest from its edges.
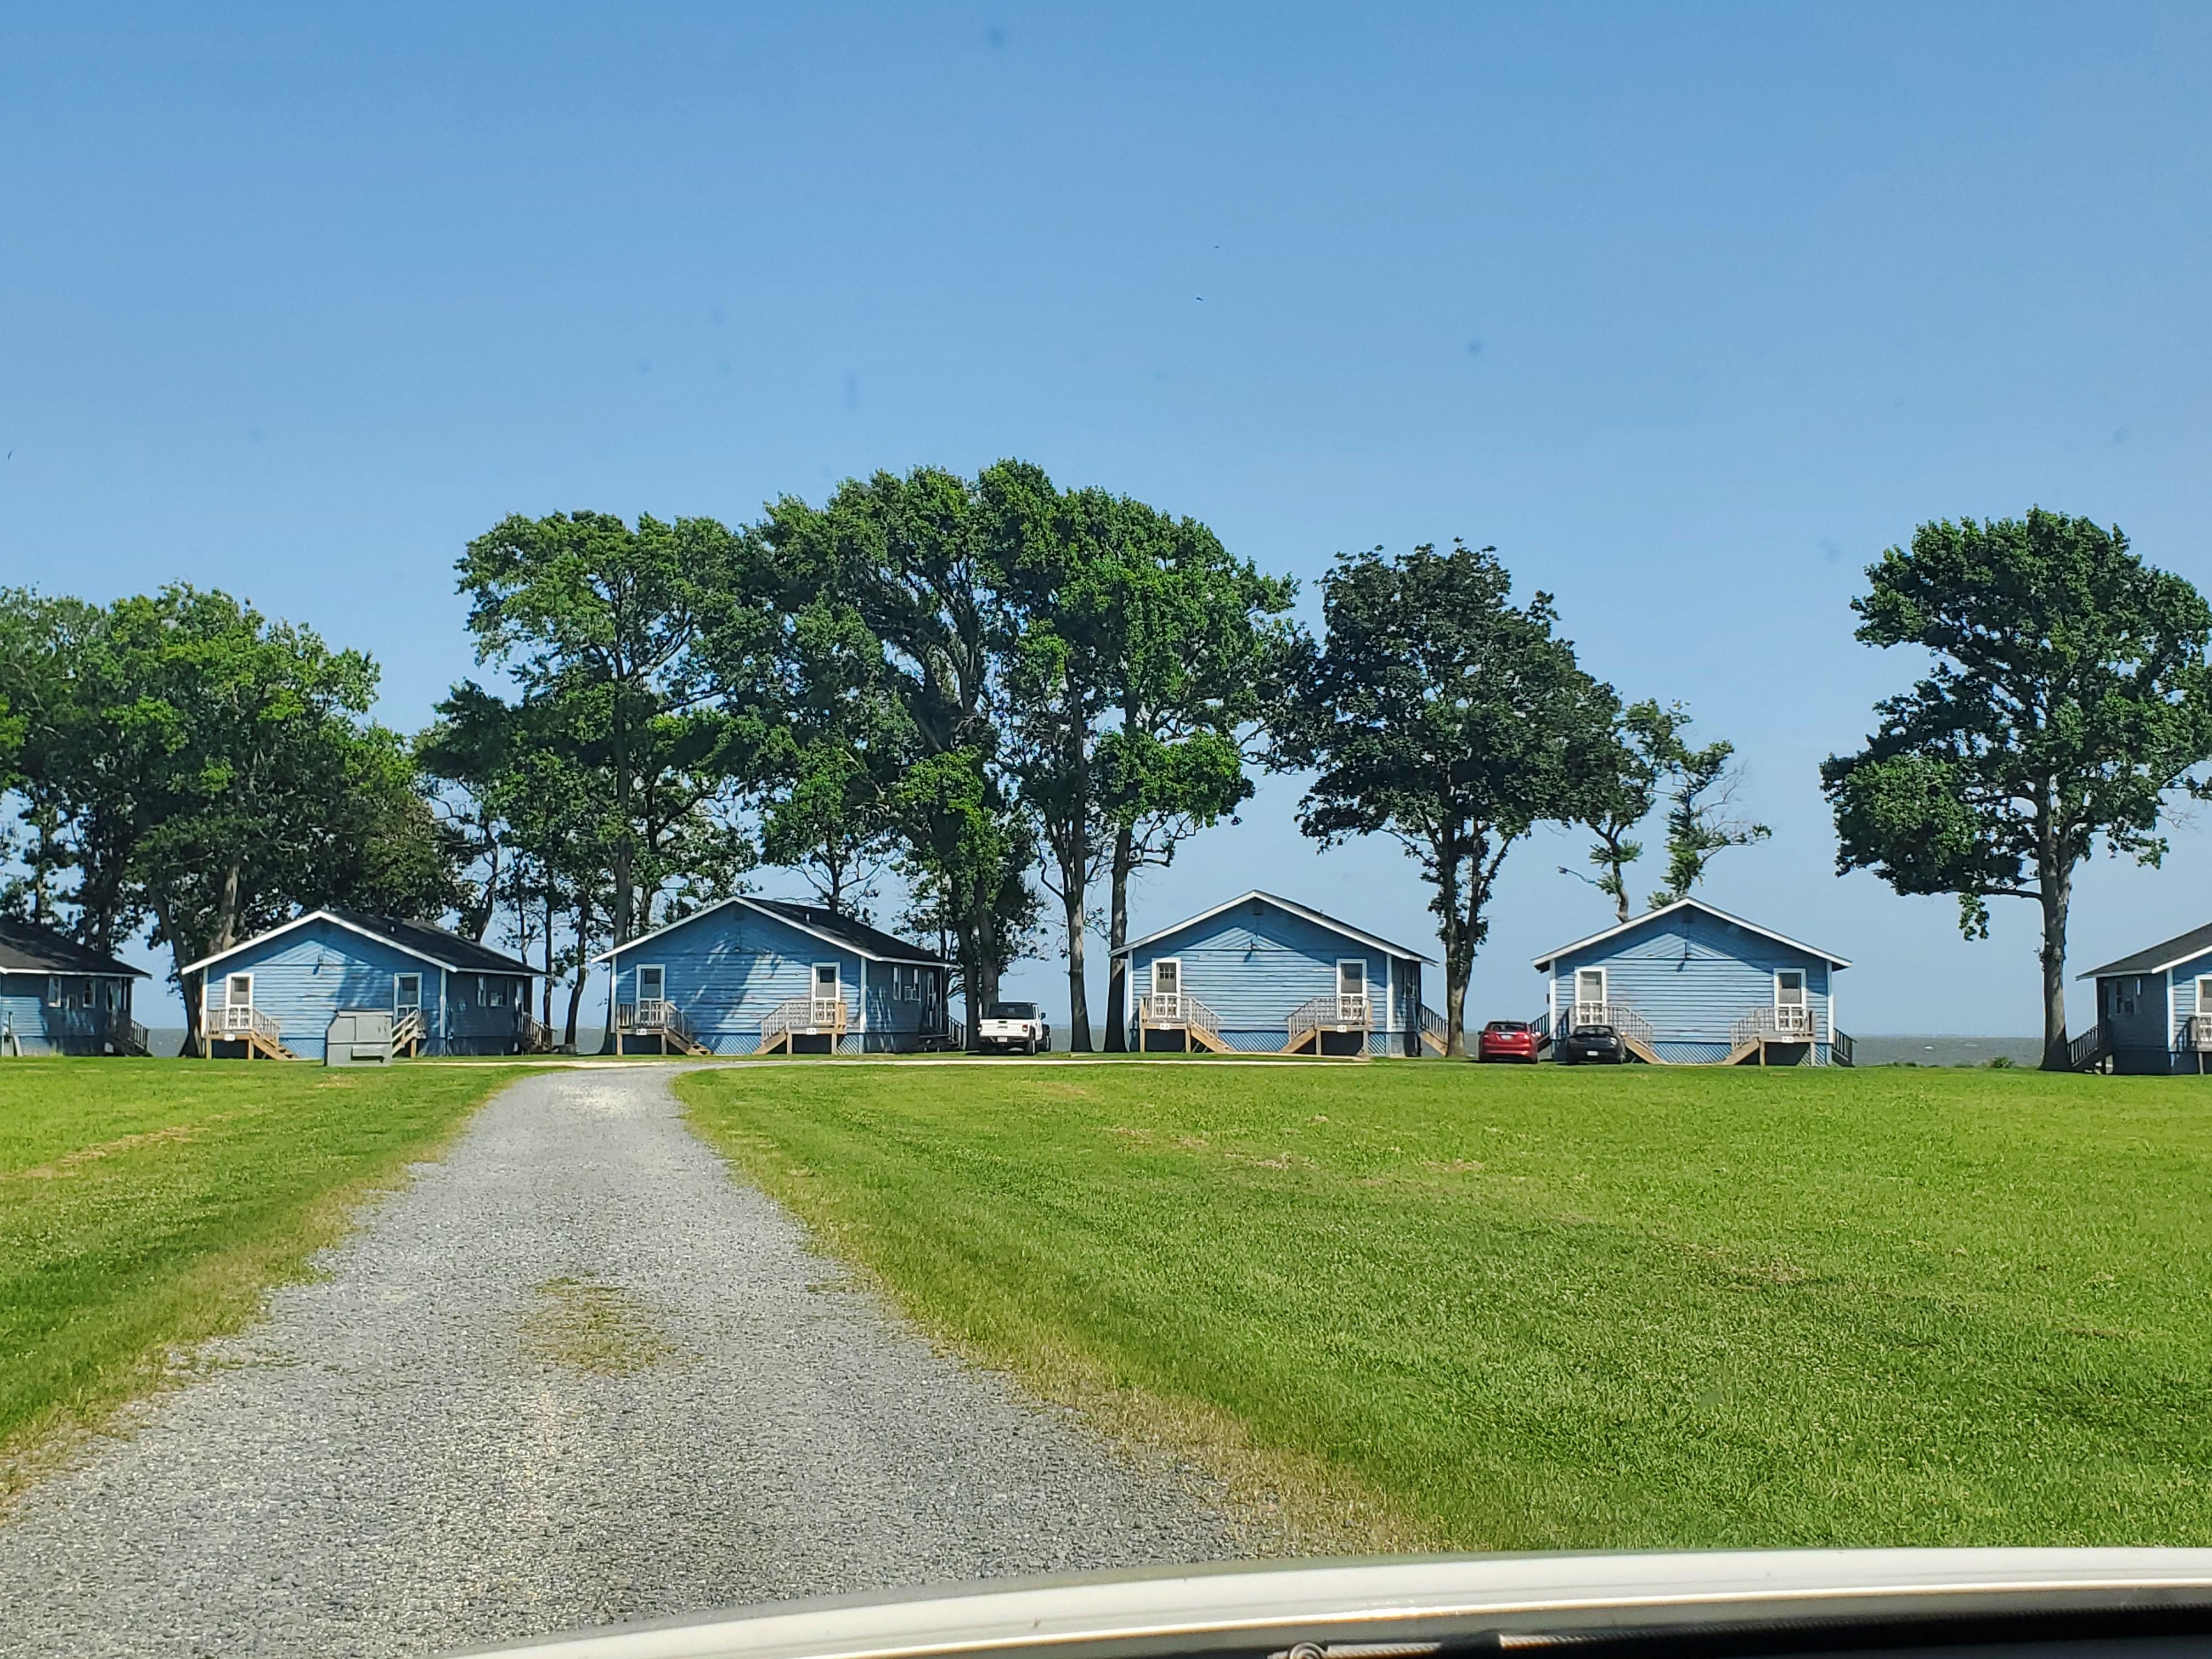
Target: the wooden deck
(659, 1021)
(1183, 1014)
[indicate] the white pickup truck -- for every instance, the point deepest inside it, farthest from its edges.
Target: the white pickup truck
(1010, 1026)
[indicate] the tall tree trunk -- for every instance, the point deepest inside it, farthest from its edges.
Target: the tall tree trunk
(1459, 956)
(1117, 935)
(576, 989)
(1078, 1001)
(2055, 884)
(545, 996)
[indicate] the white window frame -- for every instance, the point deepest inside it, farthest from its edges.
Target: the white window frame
(1174, 962)
(814, 988)
(1340, 963)
(660, 982)
(1604, 988)
(487, 984)
(1804, 1003)
(229, 980)
(399, 1007)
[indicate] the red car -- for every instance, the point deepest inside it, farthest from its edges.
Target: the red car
(1507, 1039)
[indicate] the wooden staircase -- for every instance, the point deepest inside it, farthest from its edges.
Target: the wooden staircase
(1633, 1029)
(797, 1017)
(253, 1030)
(1763, 1029)
(1175, 1011)
(660, 1022)
(1435, 1030)
(1336, 1014)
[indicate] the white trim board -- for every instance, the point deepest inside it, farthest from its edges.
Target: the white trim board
(1318, 918)
(773, 915)
(1544, 962)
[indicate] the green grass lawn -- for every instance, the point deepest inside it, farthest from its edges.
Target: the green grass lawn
(1544, 1307)
(145, 1205)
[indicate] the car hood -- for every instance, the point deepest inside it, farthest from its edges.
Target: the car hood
(1414, 1606)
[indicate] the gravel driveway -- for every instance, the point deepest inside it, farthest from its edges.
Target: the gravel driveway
(573, 1374)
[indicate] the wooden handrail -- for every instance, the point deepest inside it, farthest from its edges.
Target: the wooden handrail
(1338, 1012)
(1176, 1008)
(818, 1014)
(1618, 1015)
(1772, 1024)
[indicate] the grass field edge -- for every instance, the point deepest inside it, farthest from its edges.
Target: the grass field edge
(224, 1293)
(1281, 1502)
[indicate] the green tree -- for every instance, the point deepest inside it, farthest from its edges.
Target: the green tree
(1439, 713)
(910, 561)
(839, 741)
(1199, 649)
(1623, 784)
(217, 771)
(607, 623)
(1701, 819)
(2069, 699)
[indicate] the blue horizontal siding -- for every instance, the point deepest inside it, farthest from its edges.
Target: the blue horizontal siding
(43, 1028)
(302, 978)
(2183, 979)
(1255, 966)
(727, 968)
(1693, 974)
(2133, 1007)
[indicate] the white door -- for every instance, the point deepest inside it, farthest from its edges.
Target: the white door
(1351, 987)
(829, 985)
(652, 985)
(406, 995)
(1590, 996)
(1791, 1011)
(1167, 981)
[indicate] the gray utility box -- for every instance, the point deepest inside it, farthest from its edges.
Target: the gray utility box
(358, 1036)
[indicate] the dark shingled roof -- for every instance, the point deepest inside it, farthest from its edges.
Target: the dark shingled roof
(437, 943)
(26, 947)
(2182, 946)
(869, 941)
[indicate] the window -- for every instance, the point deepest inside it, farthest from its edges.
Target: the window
(54, 992)
(406, 992)
(653, 984)
(1167, 977)
(491, 992)
(1589, 988)
(1351, 977)
(238, 991)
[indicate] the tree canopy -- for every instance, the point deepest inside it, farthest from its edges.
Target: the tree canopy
(1436, 711)
(2068, 700)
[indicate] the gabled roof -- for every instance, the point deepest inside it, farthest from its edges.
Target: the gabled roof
(2159, 957)
(1550, 956)
(439, 946)
(1319, 918)
(824, 924)
(31, 947)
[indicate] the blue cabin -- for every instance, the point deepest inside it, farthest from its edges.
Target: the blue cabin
(58, 997)
(1263, 975)
(1689, 985)
(755, 975)
(273, 996)
(2153, 1009)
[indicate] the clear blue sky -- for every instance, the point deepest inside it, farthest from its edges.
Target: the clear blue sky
(1690, 310)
